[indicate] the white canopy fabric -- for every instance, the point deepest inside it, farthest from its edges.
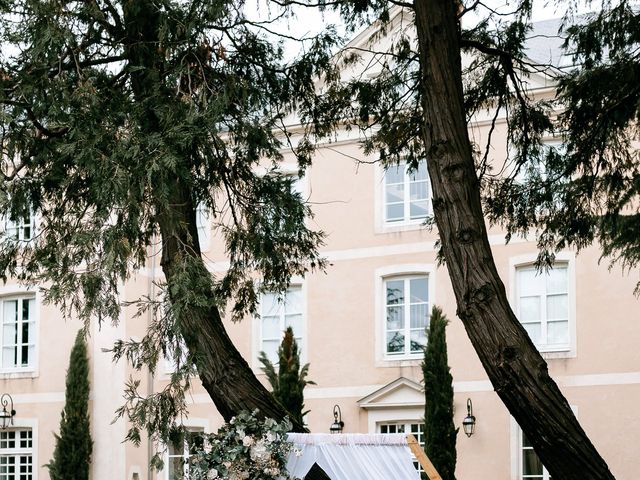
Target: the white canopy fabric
(354, 456)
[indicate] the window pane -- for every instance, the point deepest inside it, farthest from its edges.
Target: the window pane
(557, 307)
(295, 322)
(533, 329)
(270, 348)
(10, 311)
(558, 333)
(9, 357)
(271, 327)
(395, 318)
(9, 334)
(419, 290)
(394, 193)
(419, 209)
(557, 280)
(395, 342)
(395, 292)
(418, 191)
(529, 282)
(531, 464)
(26, 304)
(420, 173)
(529, 309)
(175, 467)
(418, 340)
(293, 300)
(419, 315)
(395, 212)
(270, 304)
(394, 174)
(25, 332)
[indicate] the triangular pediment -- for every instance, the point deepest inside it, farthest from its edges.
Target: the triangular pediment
(402, 392)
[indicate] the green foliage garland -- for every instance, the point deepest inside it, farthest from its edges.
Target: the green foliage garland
(247, 447)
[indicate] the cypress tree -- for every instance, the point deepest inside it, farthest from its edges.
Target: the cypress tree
(288, 384)
(72, 453)
(440, 432)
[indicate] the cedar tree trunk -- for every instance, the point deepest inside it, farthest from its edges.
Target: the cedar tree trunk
(225, 375)
(517, 371)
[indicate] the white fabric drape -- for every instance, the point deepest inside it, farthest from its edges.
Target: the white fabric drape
(352, 456)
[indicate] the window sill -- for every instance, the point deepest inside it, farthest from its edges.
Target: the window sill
(550, 354)
(401, 227)
(400, 361)
(15, 374)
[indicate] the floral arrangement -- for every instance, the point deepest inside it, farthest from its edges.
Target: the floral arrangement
(248, 447)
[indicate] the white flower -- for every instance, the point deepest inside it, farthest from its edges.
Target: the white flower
(233, 420)
(270, 437)
(259, 452)
(297, 452)
(247, 441)
(272, 471)
(211, 474)
(227, 464)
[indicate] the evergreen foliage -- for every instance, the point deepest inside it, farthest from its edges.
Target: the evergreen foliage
(72, 453)
(118, 119)
(439, 430)
(287, 385)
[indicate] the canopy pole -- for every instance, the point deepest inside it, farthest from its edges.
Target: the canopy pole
(426, 464)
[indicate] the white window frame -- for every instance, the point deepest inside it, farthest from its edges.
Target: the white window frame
(405, 417)
(196, 425)
(296, 282)
(566, 259)
(380, 277)
(382, 224)
(19, 227)
(13, 292)
(29, 424)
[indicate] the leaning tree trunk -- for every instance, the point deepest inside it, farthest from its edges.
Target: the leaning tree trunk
(224, 373)
(516, 369)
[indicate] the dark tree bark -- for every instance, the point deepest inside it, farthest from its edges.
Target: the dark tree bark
(516, 369)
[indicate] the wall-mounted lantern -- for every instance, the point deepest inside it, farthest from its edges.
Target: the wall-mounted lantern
(7, 414)
(469, 422)
(338, 424)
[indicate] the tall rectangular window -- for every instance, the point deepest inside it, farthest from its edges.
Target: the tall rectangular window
(16, 454)
(21, 228)
(543, 305)
(531, 467)
(278, 314)
(406, 194)
(406, 314)
(18, 333)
